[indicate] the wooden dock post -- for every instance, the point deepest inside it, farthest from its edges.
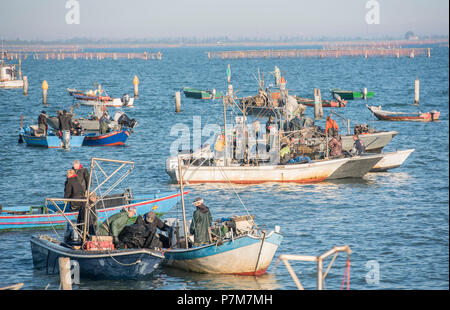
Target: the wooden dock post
(136, 86)
(25, 85)
(20, 68)
(177, 102)
(64, 273)
(316, 105)
(319, 94)
(416, 91)
(44, 91)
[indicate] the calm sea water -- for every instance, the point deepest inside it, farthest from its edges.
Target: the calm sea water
(397, 219)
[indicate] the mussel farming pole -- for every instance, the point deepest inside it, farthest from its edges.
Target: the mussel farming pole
(180, 173)
(25, 85)
(44, 91)
(64, 273)
(416, 91)
(177, 102)
(136, 86)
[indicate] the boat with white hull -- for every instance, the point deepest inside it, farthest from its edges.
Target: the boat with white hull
(8, 76)
(299, 173)
(392, 160)
(228, 257)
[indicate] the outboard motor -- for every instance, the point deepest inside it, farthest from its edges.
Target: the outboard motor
(337, 97)
(121, 118)
(125, 99)
(66, 139)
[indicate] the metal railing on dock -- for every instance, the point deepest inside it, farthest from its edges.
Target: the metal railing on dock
(319, 260)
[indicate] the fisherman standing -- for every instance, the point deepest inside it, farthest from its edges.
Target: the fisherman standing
(73, 190)
(65, 125)
(201, 221)
(42, 122)
(331, 127)
(82, 174)
(269, 125)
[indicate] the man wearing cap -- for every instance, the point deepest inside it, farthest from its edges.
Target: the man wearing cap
(82, 174)
(113, 225)
(201, 221)
(42, 122)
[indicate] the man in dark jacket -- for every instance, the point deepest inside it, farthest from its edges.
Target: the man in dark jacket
(91, 208)
(143, 233)
(42, 122)
(201, 221)
(82, 174)
(65, 121)
(74, 190)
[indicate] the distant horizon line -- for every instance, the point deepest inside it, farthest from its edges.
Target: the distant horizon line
(220, 39)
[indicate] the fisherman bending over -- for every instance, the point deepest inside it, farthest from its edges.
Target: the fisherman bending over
(113, 225)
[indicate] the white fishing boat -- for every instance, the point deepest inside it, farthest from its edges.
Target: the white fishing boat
(99, 96)
(392, 160)
(9, 76)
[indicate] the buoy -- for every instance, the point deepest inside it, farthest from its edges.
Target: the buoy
(136, 86)
(44, 92)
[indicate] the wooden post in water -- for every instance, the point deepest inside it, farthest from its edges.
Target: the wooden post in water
(20, 68)
(25, 85)
(44, 92)
(316, 105)
(136, 86)
(416, 91)
(428, 52)
(64, 273)
(320, 103)
(177, 102)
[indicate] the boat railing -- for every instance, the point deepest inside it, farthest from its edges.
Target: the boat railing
(319, 260)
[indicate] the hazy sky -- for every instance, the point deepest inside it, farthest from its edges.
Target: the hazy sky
(114, 19)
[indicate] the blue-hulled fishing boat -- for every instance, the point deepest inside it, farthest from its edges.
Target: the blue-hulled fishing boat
(117, 137)
(95, 257)
(121, 264)
(32, 217)
(248, 254)
(51, 140)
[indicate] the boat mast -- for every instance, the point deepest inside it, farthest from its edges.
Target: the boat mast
(88, 192)
(182, 203)
(225, 132)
